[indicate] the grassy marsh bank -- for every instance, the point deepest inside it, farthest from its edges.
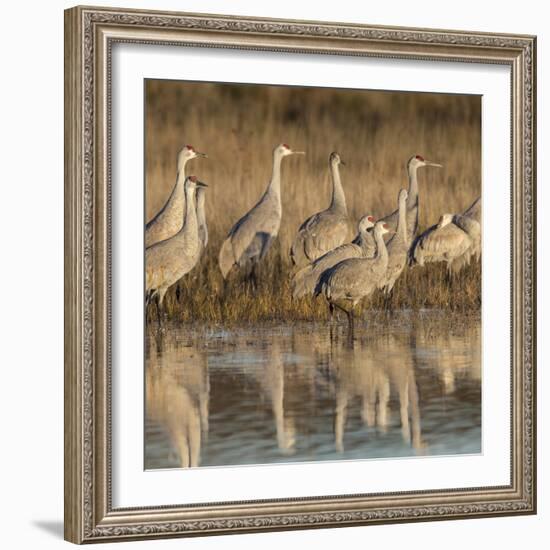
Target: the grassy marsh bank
(374, 132)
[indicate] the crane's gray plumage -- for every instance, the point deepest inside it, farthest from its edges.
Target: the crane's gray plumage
(443, 242)
(168, 261)
(413, 165)
(351, 280)
(327, 229)
(250, 238)
(306, 280)
(454, 240)
(168, 221)
(398, 245)
(201, 217)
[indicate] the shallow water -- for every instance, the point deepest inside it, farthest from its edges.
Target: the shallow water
(407, 385)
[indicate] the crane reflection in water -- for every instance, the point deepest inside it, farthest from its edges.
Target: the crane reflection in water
(303, 393)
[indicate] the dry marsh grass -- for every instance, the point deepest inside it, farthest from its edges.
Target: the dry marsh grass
(374, 132)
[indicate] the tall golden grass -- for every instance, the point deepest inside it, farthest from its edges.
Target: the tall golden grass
(374, 132)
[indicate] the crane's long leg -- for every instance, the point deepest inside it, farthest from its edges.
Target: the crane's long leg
(350, 325)
(331, 312)
(159, 315)
(449, 276)
(254, 275)
(387, 300)
(161, 310)
(331, 320)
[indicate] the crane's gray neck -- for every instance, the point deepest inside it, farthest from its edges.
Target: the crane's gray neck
(402, 221)
(201, 215)
(338, 201)
(178, 190)
(190, 222)
(381, 251)
(412, 199)
(200, 206)
(182, 164)
(274, 187)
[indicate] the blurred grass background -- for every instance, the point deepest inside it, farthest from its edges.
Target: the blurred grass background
(375, 133)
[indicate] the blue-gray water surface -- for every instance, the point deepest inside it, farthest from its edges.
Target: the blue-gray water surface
(405, 386)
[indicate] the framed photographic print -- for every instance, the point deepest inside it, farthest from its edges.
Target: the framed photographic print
(299, 280)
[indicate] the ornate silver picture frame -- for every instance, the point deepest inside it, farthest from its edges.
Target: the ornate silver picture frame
(90, 34)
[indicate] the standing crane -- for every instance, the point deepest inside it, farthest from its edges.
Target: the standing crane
(398, 246)
(413, 165)
(348, 282)
(169, 219)
(250, 238)
(201, 217)
(306, 280)
(454, 240)
(327, 229)
(168, 261)
(443, 242)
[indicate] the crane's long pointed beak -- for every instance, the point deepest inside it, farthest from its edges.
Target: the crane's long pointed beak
(298, 152)
(201, 184)
(201, 155)
(430, 163)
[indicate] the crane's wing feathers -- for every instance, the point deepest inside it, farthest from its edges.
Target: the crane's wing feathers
(449, 239)
(352, 278)
(257, 248)
(327, 233)
(309, 277)
(252, 235)
(310, 222)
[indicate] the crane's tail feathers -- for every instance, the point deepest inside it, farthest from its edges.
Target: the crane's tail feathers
(226, 258)
(151, 293)
(161, 293)
(322, 286)
(414, 253)
(411, 259)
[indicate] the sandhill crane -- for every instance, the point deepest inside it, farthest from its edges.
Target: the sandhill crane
(348, 282)
(444, 242)
(201, 217)
(168, 261)
(250, 238)
(169, 219)
(413, 165)
(398, 246)
(327, 229)
(305, 281)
